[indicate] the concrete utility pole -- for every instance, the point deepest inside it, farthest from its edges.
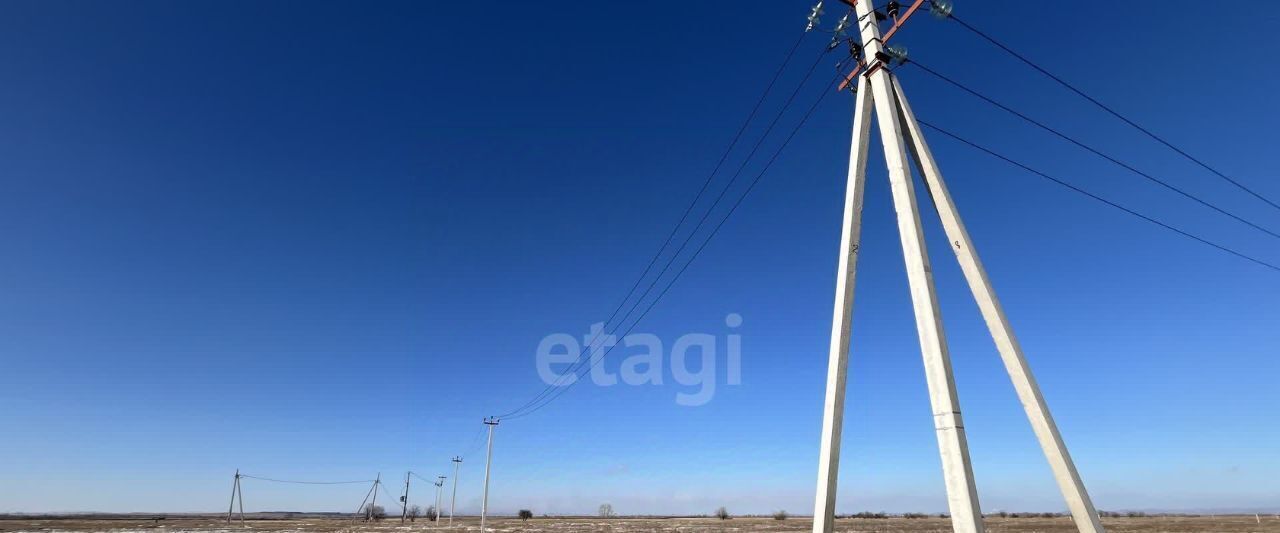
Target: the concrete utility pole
(457, 463)
(404, 500)
(439, 488)
(900, 133)
(488, 462)
(236, 494)
(373, 502)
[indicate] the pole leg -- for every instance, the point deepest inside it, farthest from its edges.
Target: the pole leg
(957, 471)
(361, 509)
(1064, 470)
(457, 462)
(240, 497)
(842, 317)
(373, 503)
(234, 485)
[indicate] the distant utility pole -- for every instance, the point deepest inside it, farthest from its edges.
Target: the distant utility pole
(488, 462)
(373, 503)
(439, 486)
(362, 509)
(404, 500)
(902, 139)
(236, 494)
(457, 462)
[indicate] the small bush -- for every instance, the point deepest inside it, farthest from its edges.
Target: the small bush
(914, 515)
(780, 515)
(525, 515)
(374, 512)
(722, 513)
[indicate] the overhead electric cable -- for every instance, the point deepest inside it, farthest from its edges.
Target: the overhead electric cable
(1112, 111)
(475, 442)
(704, 243)
(1084, 192)
(415, 474)
(1093, 150)
(587, 349)
(307, 482)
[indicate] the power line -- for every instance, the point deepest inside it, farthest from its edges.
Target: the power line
(555, 388)
(687, 211)
(1098, 198)
(588, 348)
(1095, 151)
(475, 442)
(705, 241)
(395, 498)
(307, 482)
(707, 214)
(1113, 112)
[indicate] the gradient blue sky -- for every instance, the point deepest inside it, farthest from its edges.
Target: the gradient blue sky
(320, 240)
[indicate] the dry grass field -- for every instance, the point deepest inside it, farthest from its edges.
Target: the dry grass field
(1220, 524)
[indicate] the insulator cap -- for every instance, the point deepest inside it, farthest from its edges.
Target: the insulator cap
(941, 8)
(897, 53)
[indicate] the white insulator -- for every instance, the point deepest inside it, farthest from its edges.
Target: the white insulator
(814, 16)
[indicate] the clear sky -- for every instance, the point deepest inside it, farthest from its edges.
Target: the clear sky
(320, 241)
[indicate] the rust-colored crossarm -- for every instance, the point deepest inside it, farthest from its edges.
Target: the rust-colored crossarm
(902, 20)
(915, 6)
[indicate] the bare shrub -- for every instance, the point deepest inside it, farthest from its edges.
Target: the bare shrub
(374, 512)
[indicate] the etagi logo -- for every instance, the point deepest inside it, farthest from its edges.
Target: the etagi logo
(645, 360)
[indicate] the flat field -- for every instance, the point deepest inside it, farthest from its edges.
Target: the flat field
(1218, 524)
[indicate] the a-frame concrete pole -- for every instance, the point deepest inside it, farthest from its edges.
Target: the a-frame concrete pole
(1064, 470)
(232, 506)
(838, 359)
(957, 471)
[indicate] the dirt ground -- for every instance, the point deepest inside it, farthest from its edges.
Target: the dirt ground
(1220, 524)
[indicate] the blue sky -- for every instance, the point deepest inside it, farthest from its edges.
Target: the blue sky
(322, 240)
